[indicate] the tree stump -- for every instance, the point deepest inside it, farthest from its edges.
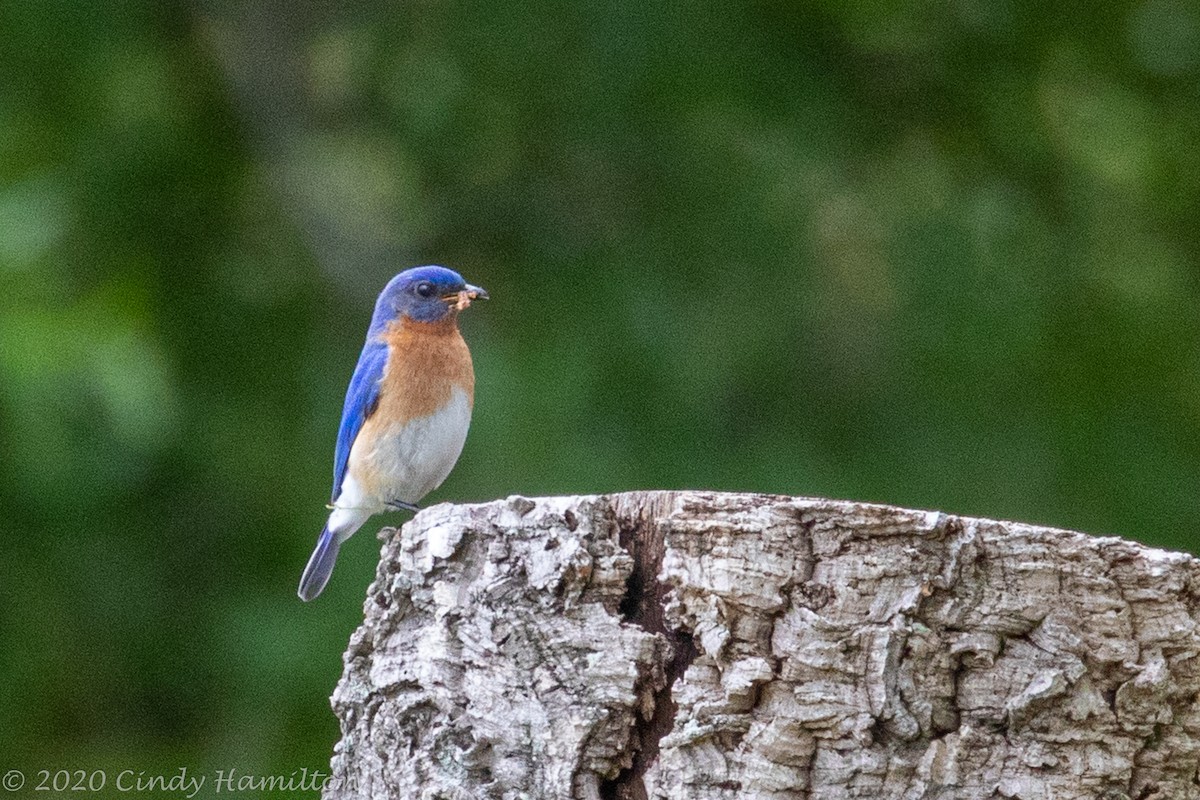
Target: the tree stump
(702, 645)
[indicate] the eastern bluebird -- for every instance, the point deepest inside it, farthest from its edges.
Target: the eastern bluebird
(407, 409)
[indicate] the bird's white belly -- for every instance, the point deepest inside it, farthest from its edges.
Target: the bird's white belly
(406, 461)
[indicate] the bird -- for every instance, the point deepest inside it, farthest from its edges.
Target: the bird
(407, 409)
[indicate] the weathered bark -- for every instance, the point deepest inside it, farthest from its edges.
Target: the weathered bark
(699, 645)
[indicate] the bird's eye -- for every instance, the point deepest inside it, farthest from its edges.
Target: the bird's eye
(425, 289)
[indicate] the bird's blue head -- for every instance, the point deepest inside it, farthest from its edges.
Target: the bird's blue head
(424, 294)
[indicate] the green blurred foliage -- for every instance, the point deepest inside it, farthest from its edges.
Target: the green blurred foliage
(938, 256)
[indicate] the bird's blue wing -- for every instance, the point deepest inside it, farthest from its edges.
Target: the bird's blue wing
(361, 399)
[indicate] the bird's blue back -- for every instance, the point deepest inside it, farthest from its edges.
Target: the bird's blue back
(361, 399)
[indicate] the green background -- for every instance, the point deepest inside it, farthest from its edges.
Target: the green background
(936, 255)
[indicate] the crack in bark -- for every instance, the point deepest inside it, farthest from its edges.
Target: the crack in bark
(643, 606)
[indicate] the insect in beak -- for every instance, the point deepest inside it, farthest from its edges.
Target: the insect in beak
(462, 299)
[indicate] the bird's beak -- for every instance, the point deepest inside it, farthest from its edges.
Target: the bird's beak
(461, 299)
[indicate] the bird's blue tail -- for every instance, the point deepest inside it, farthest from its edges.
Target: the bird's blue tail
(320, 566)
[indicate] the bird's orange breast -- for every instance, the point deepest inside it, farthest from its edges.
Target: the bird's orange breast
(426, 362)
